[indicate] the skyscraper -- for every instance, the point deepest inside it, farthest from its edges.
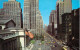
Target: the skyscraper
(26, 14)
(1, 13)
(67, 6)
(66, 26)
(39, 23)
(62, 6)
(11, 0)
(60, 11)
(51, 17)
(12, 11)
(31, 15)
(52, 22)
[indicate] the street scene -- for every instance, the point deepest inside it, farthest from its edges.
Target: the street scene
(39, 24)
(49, 43)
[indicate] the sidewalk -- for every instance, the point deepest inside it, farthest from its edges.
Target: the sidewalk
(29, 47)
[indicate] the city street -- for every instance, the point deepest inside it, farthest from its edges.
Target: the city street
(52, 42)
(49, 44)
(38, 46)
(39, 24)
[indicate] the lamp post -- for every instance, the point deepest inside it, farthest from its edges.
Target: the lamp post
(25, 37)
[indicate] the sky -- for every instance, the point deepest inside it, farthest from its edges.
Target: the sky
(45, 7)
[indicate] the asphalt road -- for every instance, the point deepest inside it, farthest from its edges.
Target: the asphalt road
(52, 42)
(38, 46)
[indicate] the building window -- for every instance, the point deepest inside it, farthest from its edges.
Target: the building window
(0, 27)
(70, 30)
(69, 24)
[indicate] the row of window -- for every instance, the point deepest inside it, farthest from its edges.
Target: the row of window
(11, 4)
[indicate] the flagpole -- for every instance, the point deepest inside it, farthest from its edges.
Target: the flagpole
(25, 39)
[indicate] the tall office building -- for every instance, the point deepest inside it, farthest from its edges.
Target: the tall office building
(62, 6)
(1, 13)
(60, 10)
(55, 23)
(11, 0)
(39, 23)
(51, 17)
(26, 14)
(31, 15)
(52, 22)
(55, 19)
(70, 28)
(67, 6)
(66, 26)
(12, 11)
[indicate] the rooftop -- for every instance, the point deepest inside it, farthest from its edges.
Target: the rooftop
(5, 32)
(4, 21)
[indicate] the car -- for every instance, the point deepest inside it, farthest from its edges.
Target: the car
(63, 43)
(55, 45)
(65, 47)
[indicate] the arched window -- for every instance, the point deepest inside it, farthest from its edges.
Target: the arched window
(0, 27)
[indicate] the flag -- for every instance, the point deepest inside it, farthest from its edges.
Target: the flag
(26, 33)
(29, 34)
